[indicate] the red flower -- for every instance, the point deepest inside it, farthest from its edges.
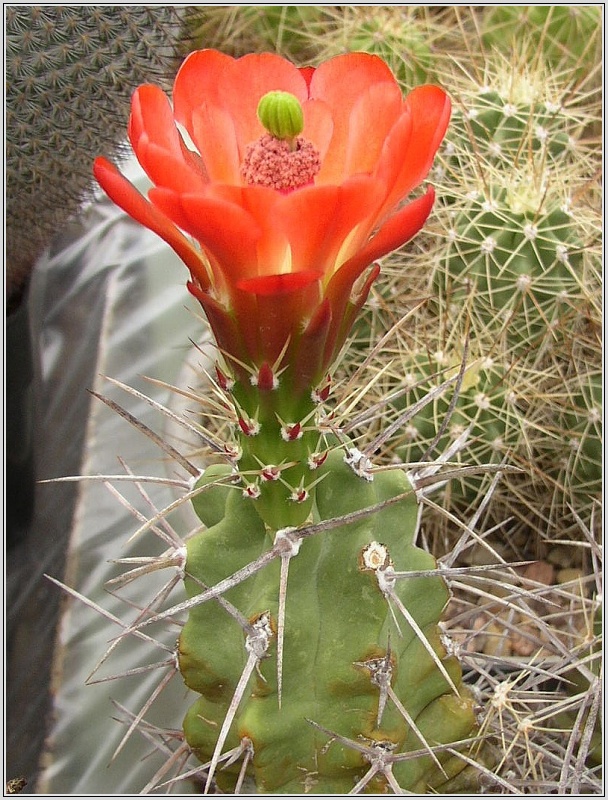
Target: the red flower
(281, 258)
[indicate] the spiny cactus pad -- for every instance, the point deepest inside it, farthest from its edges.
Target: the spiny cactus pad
(523, 261)
(351, 661)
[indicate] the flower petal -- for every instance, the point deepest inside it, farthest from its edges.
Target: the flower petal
(277, 285)
(126, 196)
(219, 151)
(158, 144)
(284, 303)
(225, 329)
(308, 361)
(307, 73)
(395, 232)
(318, 125)
(151, 113)
(260, 202)
(408, 153)
(166, 170)
(318, 221)
(198, 82)
(382, 103)
(227, 231)
(340, 82)
(236, 85)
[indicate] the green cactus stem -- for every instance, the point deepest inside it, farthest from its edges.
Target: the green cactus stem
(362, 653)
(479, 410)
(523, 259)
(567, 36)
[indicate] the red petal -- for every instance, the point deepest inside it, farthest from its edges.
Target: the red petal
(340, 82)
(197, 82)
(158, 144)
(318, 220)
(219, 150)
(170, 204)
(399, 229)
(151, 113)
(318, 126)
(381, 103)
(308, 361)
(395, 232)
(307, 73)
(124, 194)
(165, 170)
(236, 85)
(348, 312)
(405, 164)
(269, 285)
(225, 229)
(261, 203)
(224, 327)
(282, 305)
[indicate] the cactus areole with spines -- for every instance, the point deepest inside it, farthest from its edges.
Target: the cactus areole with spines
(296, 188)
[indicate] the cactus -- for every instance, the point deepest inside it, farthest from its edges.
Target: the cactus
(289, 30)
(568, 37)
(334, 641)
(523, 258)
(309, 530)
(70, 73)
(295, 504)
(340, 654)
(522, 248)
(398, 35)
(476, 408)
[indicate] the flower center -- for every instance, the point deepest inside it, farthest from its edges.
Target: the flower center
(280, 164)
(281, 158)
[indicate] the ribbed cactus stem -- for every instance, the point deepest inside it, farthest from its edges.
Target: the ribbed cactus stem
(352, 645)
(275, 437)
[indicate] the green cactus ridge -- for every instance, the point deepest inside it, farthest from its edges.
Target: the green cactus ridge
(480, 407)
(340, 637)
(524, 263)
(398, 37)
(502, 130)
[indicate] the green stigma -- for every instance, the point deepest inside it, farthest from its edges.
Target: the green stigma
(281, 114)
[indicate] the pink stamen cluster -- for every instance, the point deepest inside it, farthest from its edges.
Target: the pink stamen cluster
(280, 164)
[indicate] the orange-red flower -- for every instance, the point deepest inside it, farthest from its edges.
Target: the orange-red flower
(282, 267)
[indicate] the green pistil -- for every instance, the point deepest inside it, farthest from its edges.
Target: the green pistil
(281, 114)
(280, 159)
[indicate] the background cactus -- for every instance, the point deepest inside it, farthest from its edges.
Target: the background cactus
(565, 35)
(288, 30)
(536, 394)
(70, 72)
(523, 241)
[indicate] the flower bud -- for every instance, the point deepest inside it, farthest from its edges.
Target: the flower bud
(281, 114)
